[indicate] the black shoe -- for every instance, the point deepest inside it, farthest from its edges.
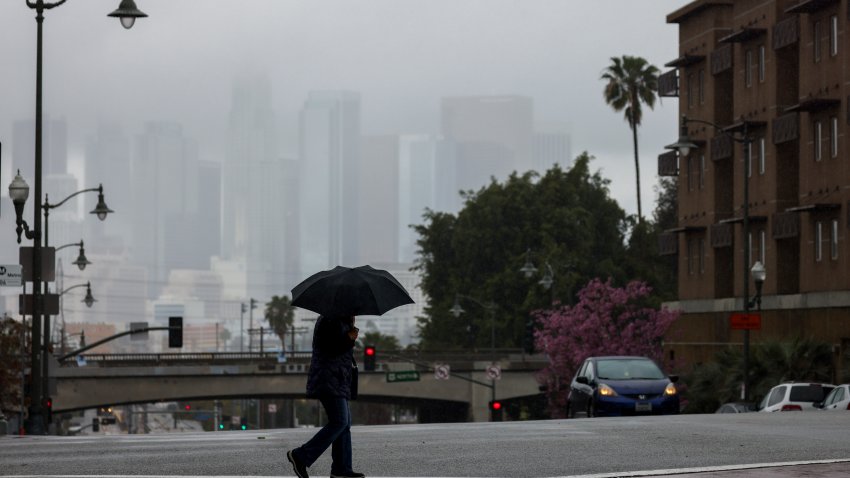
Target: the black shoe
(350, 474)
(300, 470)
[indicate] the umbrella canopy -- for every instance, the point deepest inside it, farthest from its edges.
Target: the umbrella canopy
(346, 291)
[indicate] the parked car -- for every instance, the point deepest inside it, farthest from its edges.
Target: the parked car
(838, 399)
(737, 407)
(795, 397)
(620, 385)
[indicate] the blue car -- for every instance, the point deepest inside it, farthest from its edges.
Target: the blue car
(622, 386)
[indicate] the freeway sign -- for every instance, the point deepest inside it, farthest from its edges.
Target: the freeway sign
(405, 376)
(10, 275)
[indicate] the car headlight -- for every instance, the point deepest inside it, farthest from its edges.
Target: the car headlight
(670, 389)
(606, 391)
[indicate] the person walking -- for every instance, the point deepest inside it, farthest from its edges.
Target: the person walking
(332, 379)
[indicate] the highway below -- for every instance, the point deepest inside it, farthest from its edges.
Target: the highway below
(716, 444)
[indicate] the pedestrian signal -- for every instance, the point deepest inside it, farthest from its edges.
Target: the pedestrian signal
(369, 354)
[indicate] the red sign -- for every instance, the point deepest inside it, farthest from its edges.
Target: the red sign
(740, 321)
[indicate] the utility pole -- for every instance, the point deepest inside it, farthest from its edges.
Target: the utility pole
(243, 309)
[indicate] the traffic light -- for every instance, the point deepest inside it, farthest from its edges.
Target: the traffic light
(48, 408)
(221, 426)
(188, 407)
(244, 423)
(95, 424)
(175, 332)
(495, 411)
(369, 354)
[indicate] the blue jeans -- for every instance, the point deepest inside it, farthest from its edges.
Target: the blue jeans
(336, 433)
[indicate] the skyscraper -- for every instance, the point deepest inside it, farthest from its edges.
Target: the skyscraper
(54, 148)
(107, 162)
(379, 192)
(494, 136)
(252, 190)
(330, 157)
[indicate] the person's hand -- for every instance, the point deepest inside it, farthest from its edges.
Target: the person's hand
(352, 334)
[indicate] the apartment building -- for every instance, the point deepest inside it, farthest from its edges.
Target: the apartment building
(766, 87)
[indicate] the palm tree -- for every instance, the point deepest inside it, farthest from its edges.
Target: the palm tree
(280, 313)
(632, 81)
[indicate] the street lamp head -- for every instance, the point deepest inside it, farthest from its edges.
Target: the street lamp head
(548, 278)
(89, 300)
(127, 12)
(684, 145)
(101, 209)
(759, 273)
(81, 261)
(456, 309)
(19, 190)
(528, 268)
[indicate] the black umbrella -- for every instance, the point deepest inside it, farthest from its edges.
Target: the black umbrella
(346, 291)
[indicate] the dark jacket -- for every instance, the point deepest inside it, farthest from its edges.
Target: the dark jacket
(332, 363)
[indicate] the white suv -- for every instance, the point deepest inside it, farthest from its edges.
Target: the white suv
(795, 397)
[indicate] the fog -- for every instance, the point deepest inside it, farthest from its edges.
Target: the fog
(401, 58)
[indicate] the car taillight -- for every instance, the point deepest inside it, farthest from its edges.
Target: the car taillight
(791, 408)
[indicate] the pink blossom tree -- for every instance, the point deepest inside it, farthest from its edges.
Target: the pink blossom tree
(607, 320)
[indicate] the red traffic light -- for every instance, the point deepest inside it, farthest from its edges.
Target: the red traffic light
(188, 407)
(496, 405)
(370, 351)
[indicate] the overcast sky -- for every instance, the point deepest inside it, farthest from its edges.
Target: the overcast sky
(401, 55)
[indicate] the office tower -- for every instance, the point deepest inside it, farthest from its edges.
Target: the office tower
(107, 162)
(54, 148)
(772, 75)
(551, 146)
(379, 192)
(426, 180)
(165, 192)
(63, 224)
(329, 155)
(252, 193)
(493, 135)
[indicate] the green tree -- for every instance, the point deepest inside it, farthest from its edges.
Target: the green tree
(279, 314)
(380, 341)
(14, 358)
(631, 82)
(566, 218)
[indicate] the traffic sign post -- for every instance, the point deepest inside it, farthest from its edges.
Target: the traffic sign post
(494, 372)
(442, 371)
(403, 376)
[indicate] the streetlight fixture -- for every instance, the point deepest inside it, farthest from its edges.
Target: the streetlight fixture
(89, 300)
(684, 145)
(127, 12)
(759, 275)
(81, 261)
(528, 268)
(101, 209)
(548, 277)
(19, 192)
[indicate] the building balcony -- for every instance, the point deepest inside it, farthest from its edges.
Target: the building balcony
(786, 33)
(786, 128)
(811, 6)
(786, 225)
(721, 60)
(668, 164)
(668, 84)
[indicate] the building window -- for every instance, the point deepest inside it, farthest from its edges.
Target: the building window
(762, 154)
(691, 90)
(702, 255)
(818, 139)
(762, 245)
(833, 137)
(748, 69)
(702, 86)
(762, 60)
(833, 240)
(691, 172)
(818, 241)
(702, 171)
(691, 252)
(750, 244)
(749, 159)
(833, 35)
(816, 44)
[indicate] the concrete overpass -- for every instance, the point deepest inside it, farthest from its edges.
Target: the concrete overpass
(146, 378)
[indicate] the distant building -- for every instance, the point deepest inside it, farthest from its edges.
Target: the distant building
(378, 201)
(330, 164)
(778, 70)
(552, 146)
(93, 332)
(494, 137)
(54, 147)
(107, 162)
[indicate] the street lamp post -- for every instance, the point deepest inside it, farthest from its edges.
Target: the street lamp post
(457, 310)
(684, 145)
(101, 209)
(127, 13)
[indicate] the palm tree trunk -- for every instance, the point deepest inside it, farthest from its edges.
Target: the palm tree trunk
(637, 171)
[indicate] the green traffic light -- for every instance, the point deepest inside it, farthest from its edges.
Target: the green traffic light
(221, 426)
(244, 427)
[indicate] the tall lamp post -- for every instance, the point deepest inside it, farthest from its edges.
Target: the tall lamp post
(127, 13)
(684, 145)
(101, 209)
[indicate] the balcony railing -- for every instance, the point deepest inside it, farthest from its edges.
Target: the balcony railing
(721, 147)
(668, 164)
(721, 59)
(786, 33)
(668, 244)
(721, 235)
(785, 128)
(668, 83)
(786, 225)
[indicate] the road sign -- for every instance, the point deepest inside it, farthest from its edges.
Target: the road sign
(10, 275)
(442, 371)
(26, 304)
(235, 420)
(48, 263)
(403, 376)
(494, 372)
(739, 321)
(272, 408)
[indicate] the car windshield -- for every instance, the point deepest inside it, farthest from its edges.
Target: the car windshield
(809, 393)
(628, 369)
